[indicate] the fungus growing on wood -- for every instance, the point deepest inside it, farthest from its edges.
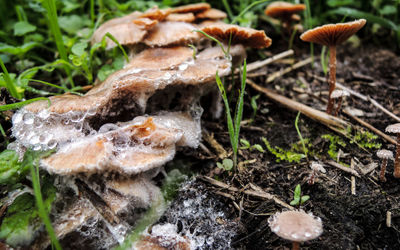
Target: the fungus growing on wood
(240, 35)
(395, 128)
(332, 35)
(171, 33)
(384, 154)
(296, 226)
(156, 14)
(181, 17)
(284, 11)
(130, 29)
(214, 14)
(196, 7)
(338, 94)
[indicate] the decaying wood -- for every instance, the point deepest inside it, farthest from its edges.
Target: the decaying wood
(297, 65)
(353, 179)
(259, 64)
(256, 191)
(312, 113)
(222, 154)
(345, 169)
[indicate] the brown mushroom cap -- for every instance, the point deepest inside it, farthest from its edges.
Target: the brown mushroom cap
(245, 36)
(385, 154)
(280, 9)
(181, 17)
(333, 34)
(156, 14)
(197, 7)
(211, 14)
(394, 128)
(160, 58)
(171, 33)
(296, 226)
(129, 29)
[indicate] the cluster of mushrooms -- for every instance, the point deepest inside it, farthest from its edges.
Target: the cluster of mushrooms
(113, 140)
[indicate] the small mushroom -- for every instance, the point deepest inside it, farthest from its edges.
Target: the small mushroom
(395, 128)
(240, 35)
(284, 11)
(384, 154)
(332, 35)
(316, 168)
(338, 94)
(156, 14)
(195, 8)
(213, 14)
(296, 226)
(181, 17)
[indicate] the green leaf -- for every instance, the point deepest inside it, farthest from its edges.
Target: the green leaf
(245, 143)
(73, 23)
(258, 147)
(17, 227)
(11, 171)
(79, 48)
(21, 50)
(339, 3)
(388, 10)
(297, 192)
(228, 164)
(304, 198)
(21, 28)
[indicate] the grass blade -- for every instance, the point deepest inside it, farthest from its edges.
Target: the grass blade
(247, 9)
(239, 108)
(118, 44)
(228, 9)
(9, 83)
(296, 124)
(215, 40)
(21, 104)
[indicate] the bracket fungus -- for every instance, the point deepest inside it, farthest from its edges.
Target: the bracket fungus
(385, 155)
(395, 128)
(114, 139)
(296, 226)
(331, 35)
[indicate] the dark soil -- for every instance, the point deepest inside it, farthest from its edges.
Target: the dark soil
(350, 221)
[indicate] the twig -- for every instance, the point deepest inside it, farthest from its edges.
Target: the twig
(363, 97)
(389, 219)
(312, 113)
(259, 64)
(353, 179)
(257, 192)
(297, 65)
(222, 154)
(345, 169)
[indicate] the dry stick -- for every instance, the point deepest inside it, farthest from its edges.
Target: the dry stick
(363, 97)
(222, 154)
(257, 193)
(353, 179)
(345, 169)
(312, 113)
(259, 64)
(297, 65)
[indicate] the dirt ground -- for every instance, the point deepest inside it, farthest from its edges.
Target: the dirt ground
(351, 221)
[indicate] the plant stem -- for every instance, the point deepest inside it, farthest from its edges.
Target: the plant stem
(42, 210)
(332, 77)
(396, 173)
(9, 83)
(383, 170)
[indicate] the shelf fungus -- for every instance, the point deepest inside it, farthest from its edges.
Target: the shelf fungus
(112, 141)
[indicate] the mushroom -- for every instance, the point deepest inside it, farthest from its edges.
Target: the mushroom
(211, 14)
(338, 94)
(316, 168)
(296, 226)
(181, 17)
(384, 154)
(284, 11)
(197, 7)
(332, 35)
(395, 128)
(240, 35)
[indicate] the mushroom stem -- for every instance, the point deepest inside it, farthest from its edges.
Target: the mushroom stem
(295, 245)
(383, 170)
(332, 76)
(396, 173)
(339, 105)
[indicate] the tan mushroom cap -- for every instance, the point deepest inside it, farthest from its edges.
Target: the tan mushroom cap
(160, 58)
(296, 226)
(211, 14)
(171, 33)
(394, 128)
(129, 29)
(333, 34)
(245, 36)
(316, 166)
(197, 7)
(385, 154)
(280, 9)
(156, 14)
(181, 17)
(131, 149)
